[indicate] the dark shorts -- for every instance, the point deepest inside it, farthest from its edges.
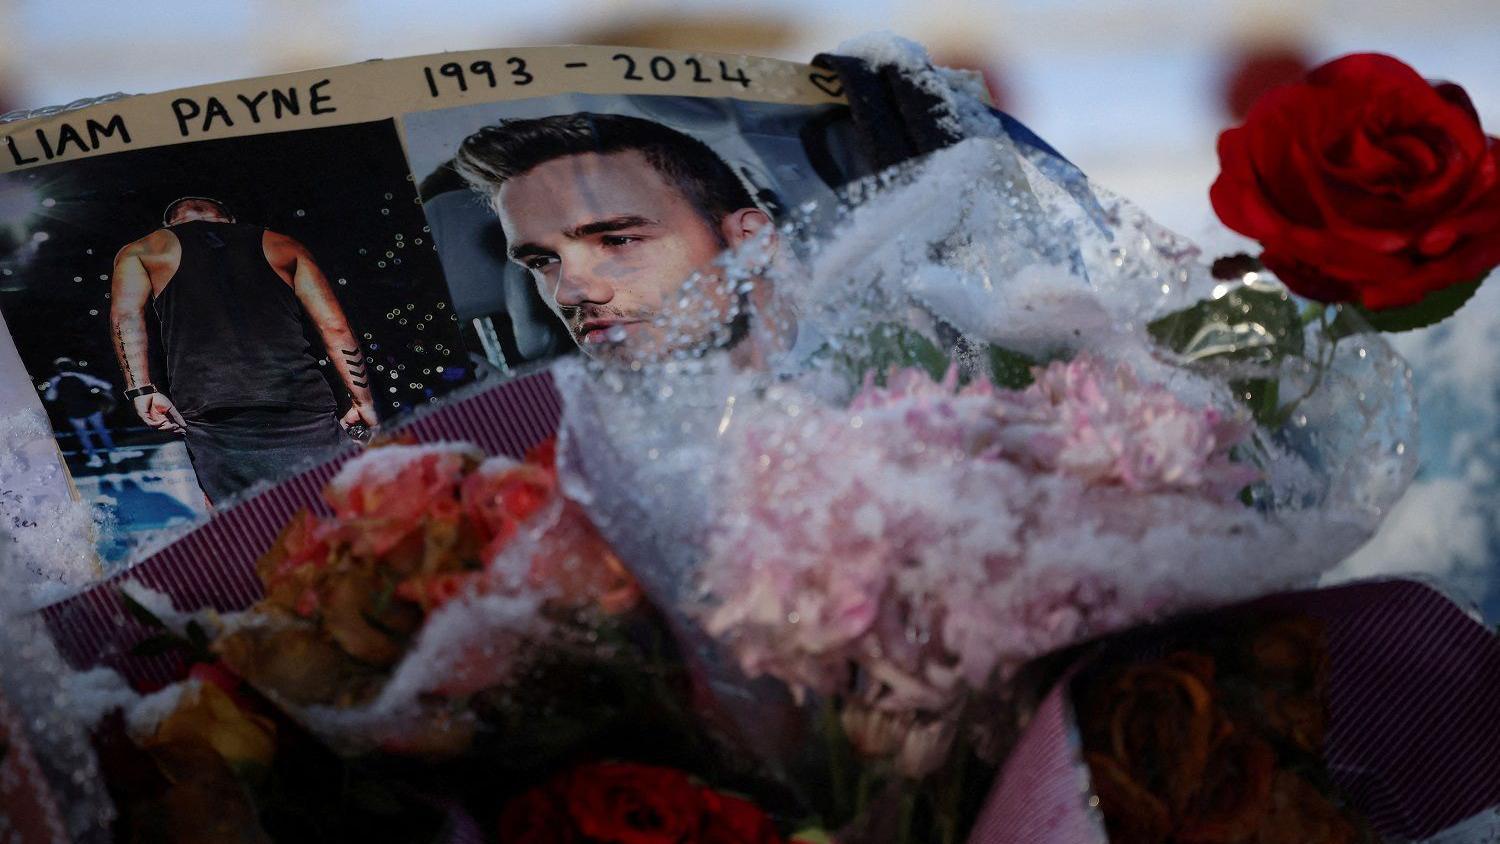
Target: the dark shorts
(233, 448)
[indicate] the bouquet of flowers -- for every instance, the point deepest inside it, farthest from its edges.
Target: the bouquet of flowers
(427, 586)
(1034, 421)
(881, 585)
(453, 631)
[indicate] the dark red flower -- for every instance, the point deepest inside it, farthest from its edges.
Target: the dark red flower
(624, 803)
(1364, 183)
(621, 803)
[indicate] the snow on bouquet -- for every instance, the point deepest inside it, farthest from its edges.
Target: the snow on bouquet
(452, 632)
(1015, 417)
(435, 580)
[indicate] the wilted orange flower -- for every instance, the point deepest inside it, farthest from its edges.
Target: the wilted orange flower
(206, 713)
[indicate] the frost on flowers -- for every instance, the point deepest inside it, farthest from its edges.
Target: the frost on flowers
(437, 577)
(927, 538)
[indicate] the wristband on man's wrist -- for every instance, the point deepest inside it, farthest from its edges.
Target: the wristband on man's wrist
(137, 392)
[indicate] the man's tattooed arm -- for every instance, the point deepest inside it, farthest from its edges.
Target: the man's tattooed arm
(130, 290)
(344, 351)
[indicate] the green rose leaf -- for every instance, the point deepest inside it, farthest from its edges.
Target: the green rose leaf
(1011, 370)
(1434, 308)
(1247, 323)
(138, 611)
(892, 345)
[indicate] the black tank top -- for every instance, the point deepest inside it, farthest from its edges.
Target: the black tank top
(233, 331)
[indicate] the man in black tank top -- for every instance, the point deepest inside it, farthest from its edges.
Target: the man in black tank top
(234, 302)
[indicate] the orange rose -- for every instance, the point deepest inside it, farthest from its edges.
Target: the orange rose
(577, 564)
(383, 496)
(206, 713)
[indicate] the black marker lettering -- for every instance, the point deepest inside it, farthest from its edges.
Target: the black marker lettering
(97, 132)
(69, 135)
(15, 154)
(215, 109)
(285, 101)
(519, 74)
(253, 104)
(314, 99)
(629, 66)
(178, 106)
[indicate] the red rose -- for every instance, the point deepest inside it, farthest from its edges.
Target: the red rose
(620, 803)
(1364, 183)
(623, 803)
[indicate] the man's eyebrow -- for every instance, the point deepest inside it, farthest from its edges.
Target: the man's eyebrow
(522, 251)
(609, 224)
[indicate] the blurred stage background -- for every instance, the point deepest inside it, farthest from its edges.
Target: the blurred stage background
(1133, 91)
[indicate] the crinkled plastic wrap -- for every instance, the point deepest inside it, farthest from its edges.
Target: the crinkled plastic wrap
(1399, 725)
(972, 249)
(52, 789)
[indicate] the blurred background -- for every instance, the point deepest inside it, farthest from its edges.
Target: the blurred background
(1133, 91)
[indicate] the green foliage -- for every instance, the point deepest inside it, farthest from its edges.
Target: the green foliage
(1243, 324)
(891, 345)
(1434, 308)
(1011, 370)
(1246, 324)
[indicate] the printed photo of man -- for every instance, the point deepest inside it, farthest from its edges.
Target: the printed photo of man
(613, 215)
(83, 399)
(245, 317)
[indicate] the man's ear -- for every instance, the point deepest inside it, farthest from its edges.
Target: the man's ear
(739, 226)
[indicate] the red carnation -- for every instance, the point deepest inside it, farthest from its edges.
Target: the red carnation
(623, 803)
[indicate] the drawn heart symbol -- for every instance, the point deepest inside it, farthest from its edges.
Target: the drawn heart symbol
(828, 83)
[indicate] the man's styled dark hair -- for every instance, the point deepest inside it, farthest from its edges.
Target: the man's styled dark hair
(178, 204)
(495, 154)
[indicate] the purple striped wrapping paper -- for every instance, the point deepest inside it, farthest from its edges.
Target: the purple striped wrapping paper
(1414, 694)
(214, 564)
